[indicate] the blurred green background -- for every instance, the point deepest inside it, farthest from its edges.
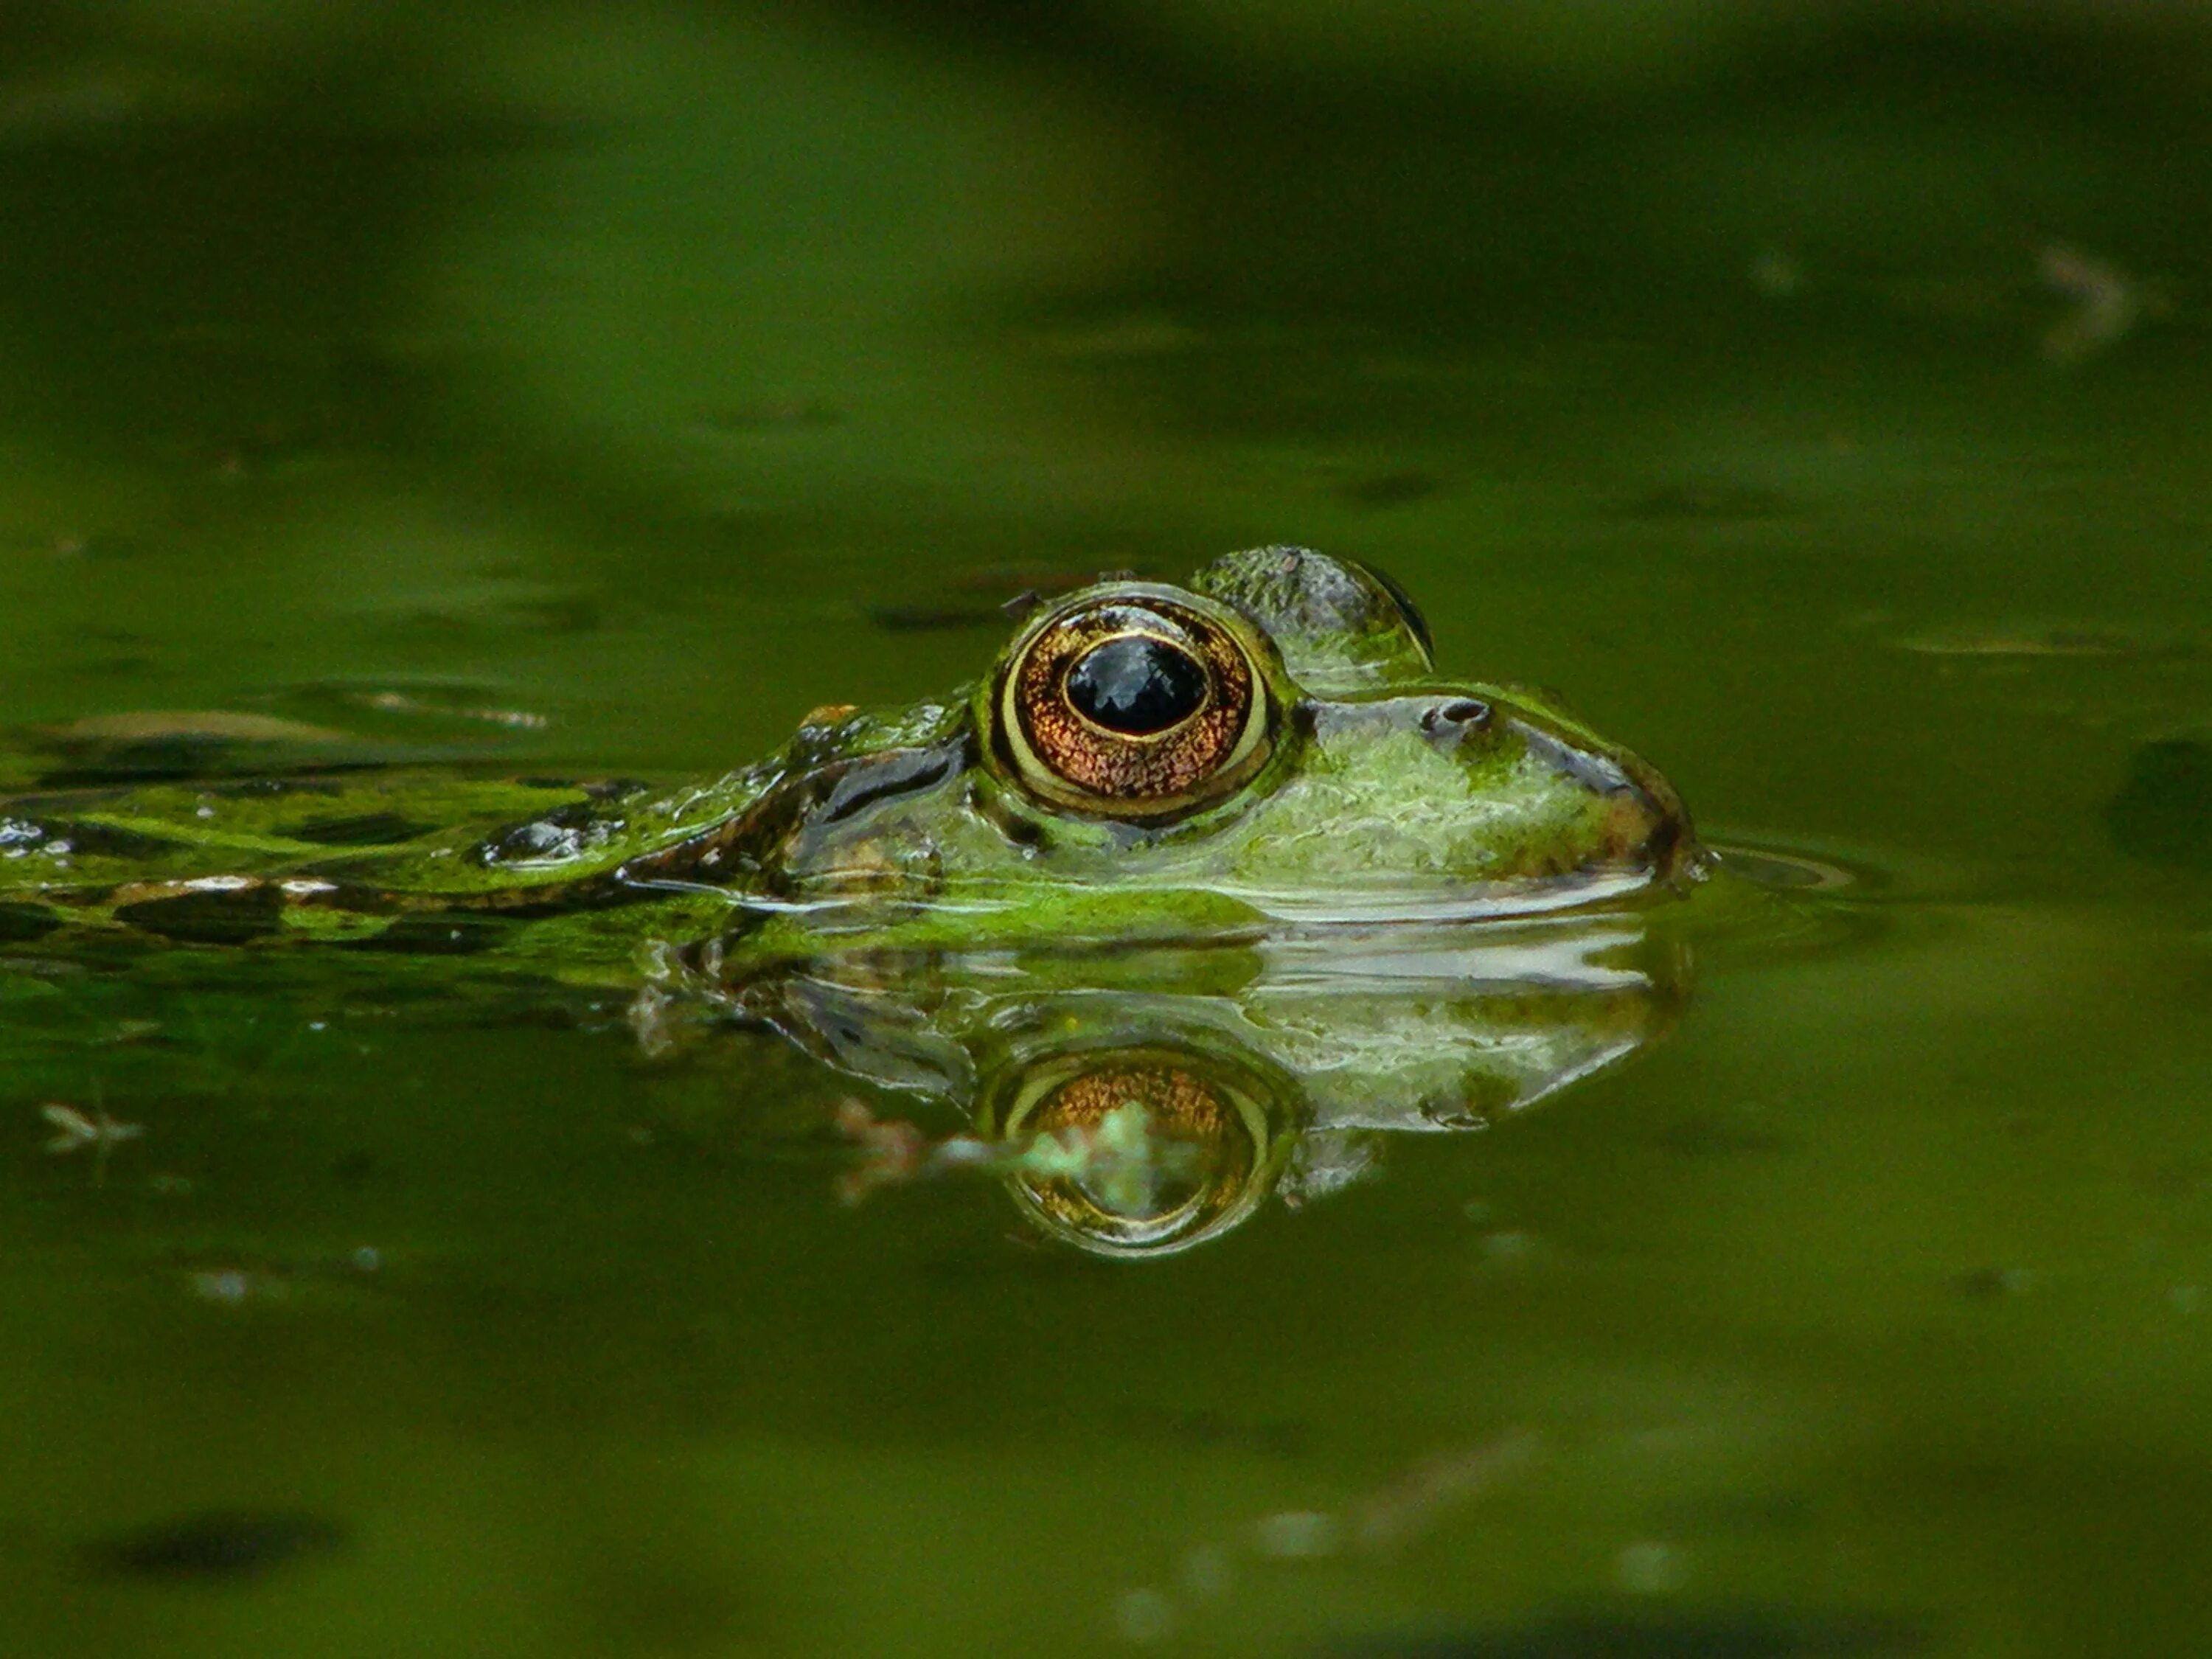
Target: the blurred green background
(1816, 394)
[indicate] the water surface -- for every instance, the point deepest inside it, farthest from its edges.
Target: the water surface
(605, 408)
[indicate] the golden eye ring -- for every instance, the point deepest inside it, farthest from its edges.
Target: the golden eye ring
(1137, 704)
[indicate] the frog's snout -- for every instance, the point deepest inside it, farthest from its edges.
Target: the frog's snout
(1644, 824)
(1657, 831)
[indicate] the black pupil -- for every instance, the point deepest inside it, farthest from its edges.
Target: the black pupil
(1136, 685)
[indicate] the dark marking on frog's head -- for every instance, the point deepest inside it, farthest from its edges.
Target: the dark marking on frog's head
(900, 771)
(820, 792)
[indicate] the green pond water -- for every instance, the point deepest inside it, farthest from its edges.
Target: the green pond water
(596, 394)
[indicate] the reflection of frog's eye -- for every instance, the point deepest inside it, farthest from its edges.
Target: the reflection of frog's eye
(1136, 1151)
(1142, 707)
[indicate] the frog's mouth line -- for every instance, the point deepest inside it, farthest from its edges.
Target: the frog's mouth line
(1365, 906)
(1438, 904)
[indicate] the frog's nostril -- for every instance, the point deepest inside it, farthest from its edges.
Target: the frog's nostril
(1469, 712)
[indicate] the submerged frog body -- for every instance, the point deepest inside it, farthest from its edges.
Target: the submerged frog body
(1267, 747)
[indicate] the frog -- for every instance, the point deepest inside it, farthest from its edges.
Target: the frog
(1265, 749)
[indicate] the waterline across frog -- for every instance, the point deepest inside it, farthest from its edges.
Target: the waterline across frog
(1265, 748)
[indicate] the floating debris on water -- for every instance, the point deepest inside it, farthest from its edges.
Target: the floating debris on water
(983, 597)
(2061, 639)
(187, 725)
(1401, 1509)
(237, 1280)
(401, 703)
(76, 1129)
(1418, 1500)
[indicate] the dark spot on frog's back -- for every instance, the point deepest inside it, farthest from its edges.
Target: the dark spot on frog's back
(220, 1545)
(365, 830)
(20, 924)
(220, 915)
(439, 933)
(106, 841)
(175, 760)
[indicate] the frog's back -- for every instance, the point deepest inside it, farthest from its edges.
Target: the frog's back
(337, 855)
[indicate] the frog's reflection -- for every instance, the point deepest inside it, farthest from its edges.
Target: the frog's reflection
(1139, 1104)
(1139, 1151)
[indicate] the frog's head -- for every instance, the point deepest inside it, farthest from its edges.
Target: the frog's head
(1279, 727)
(1270, 742)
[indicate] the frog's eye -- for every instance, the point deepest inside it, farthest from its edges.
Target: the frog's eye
(1137, 706)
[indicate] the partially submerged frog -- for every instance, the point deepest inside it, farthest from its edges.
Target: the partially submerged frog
(1265, 748)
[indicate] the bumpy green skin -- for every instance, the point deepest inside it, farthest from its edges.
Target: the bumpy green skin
(1390, 795)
